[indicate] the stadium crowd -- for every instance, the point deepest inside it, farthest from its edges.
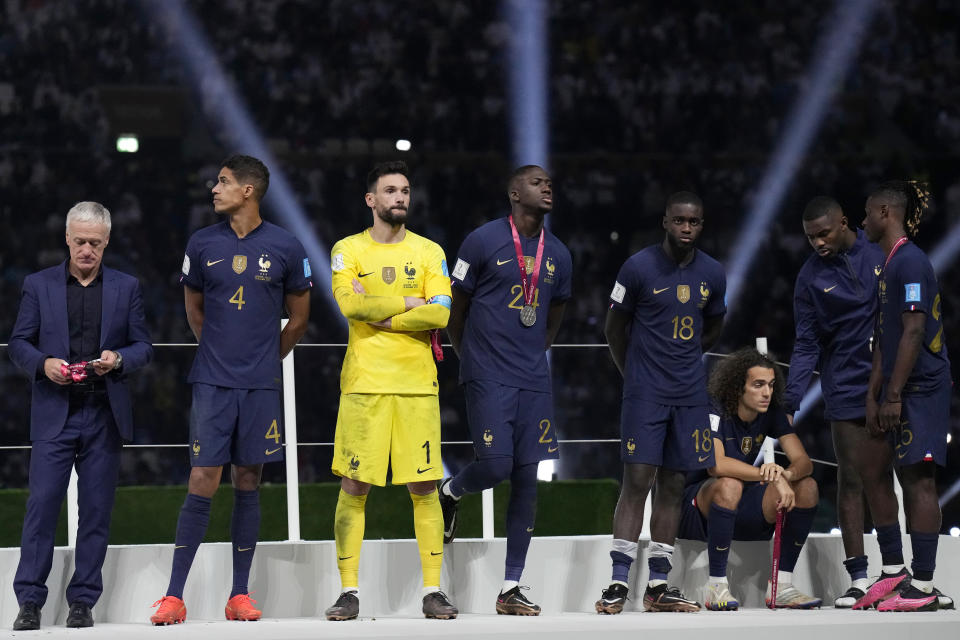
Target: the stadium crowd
(644, 100)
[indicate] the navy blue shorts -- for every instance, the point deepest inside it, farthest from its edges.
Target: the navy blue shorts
(511, 422)
(749, 525)
(665, 435)
(924, 425)
(242, 426)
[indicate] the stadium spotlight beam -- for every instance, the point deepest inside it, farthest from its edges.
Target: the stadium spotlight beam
(527, 55)
(942, 257)
(529, 118)
(186, 37)
(837, 50)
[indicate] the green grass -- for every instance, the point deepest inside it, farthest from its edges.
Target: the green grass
(145, 515)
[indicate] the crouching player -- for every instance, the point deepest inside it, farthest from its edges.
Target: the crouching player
(734, 500)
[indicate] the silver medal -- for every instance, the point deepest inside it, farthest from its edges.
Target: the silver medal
(528, 315)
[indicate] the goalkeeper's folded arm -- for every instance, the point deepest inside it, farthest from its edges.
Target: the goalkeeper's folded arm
(366, 308)
(433, 315)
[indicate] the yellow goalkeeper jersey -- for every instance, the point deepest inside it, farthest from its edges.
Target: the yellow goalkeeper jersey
(397, 360)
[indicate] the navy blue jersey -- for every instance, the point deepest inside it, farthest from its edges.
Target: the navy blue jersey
(741, 440)
(495, 345)
(243, 281)
(667, 303)
(834, 309)
(908, 283)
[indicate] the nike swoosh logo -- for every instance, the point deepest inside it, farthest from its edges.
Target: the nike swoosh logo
(364, 275)
(210, 263)
(270, 453)
(344, 558)
(656, 291)
(180, 546)
(529, 529)
(419, 470)
(799, 544)
(703, 458)
(829, 289)
(552, 449)
(500, 262)
(247, 549)
(901, 455)
(721, 548)
(436, 553)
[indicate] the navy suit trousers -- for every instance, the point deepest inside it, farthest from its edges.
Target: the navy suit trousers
(90, 440)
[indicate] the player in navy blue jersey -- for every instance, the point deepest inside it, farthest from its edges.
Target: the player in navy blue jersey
(908, 396)
(734, 500)
(238, 276)
(834, 307)
(510, 284)
(666, 307)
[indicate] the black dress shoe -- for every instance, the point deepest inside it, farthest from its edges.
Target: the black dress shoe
(80, 615)
(29, 617)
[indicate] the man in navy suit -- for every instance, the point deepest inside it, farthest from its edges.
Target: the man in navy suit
(74, 312)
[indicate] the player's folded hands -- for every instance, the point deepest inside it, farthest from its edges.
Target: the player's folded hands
(771, 472)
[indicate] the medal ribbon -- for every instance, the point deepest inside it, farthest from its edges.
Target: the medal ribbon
(902, 241)
(528, 293)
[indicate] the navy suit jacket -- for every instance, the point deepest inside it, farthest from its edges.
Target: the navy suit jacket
(41, 332)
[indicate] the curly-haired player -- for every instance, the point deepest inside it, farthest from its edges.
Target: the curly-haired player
(734, 500)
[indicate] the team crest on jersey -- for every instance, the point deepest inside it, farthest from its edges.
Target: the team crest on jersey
(746, 445)
(487, 438)
(548, 278)
(631, 447)
(239, 264)
(196, 448)
(877, 269)
(528, 263)
(704, 295)
(411, 272)
(354, 463)
(389, 274)
(683, 293)
(264, 263)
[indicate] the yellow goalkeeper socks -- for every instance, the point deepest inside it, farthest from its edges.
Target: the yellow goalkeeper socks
(348, 526)
(428, 525)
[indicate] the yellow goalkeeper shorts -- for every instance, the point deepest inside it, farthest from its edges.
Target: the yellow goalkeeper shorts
(376, 431)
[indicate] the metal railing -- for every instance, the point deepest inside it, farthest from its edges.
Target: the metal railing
(292, 445)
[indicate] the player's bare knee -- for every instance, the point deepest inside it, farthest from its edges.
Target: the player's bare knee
(204, 481)
(638, 479)
(807, 493)
(246, 478)
(354, 487)
(424, 488)
(727, 492)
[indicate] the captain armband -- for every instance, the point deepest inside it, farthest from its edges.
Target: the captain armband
(442, 300)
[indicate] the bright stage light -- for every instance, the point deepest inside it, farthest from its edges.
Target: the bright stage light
(528, 81)
(403, 145)
(127, 143)
(955, 532)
